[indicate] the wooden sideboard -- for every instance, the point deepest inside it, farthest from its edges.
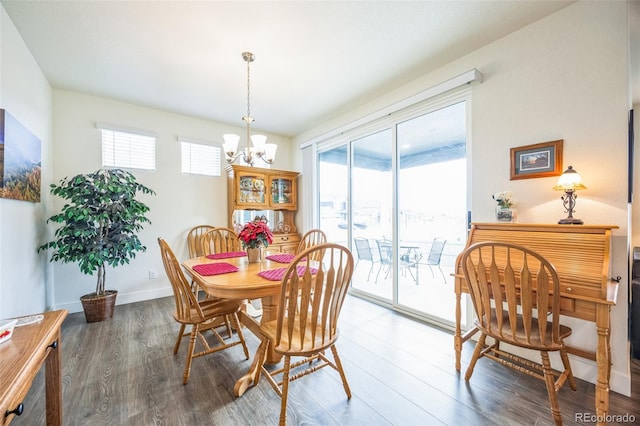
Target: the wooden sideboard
(22, 356)
(581, 255)
(252, 188)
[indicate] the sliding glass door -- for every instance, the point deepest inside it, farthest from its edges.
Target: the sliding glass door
(397, 196)
(431, 208)
(372, 211)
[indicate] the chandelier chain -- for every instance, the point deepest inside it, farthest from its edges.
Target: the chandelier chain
(249, 88)
(260, 149)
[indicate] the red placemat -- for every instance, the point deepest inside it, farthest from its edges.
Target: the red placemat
(226, 255)
(215, 268)
(277, 274)
(281, 257)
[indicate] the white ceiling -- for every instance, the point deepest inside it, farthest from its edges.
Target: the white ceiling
(313, 59)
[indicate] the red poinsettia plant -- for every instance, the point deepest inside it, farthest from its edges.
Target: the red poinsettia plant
(255, 234)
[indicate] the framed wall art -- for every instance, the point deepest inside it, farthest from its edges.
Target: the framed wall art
(537, 160)
(20, 160)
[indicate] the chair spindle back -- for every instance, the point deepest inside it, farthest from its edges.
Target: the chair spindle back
(308, 323)
(193, 239)
(220, 240)
(312, 238)
(508, 284)
(186, 303)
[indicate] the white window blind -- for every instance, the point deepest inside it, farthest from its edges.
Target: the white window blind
(128, 150)
(200, 159)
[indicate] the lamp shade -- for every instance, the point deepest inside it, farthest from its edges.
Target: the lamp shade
(230, 144)
(270, 151)
(570, 180)
(259, 142)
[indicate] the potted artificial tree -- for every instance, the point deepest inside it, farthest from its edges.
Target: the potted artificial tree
(100, 222)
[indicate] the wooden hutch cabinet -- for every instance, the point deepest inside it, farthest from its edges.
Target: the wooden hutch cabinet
(251, 188)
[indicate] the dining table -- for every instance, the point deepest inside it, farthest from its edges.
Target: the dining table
(232, 276)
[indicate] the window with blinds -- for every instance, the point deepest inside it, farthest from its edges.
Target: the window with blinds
(200, 159)
(128, 150)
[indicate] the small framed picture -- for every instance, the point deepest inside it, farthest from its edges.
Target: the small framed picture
(538, 160)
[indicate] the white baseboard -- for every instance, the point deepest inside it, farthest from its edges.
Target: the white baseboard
(122, 299)
(586, 370)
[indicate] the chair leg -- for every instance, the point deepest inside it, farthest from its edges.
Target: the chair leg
(192, 346)
(238, 326)
(227, 325)
(411, 273)
(431, 269)
(551, 388)
(370, 271)
(567, 367)
(345, 384)
(180, 336)
(285, 390)
(475, 356)
(378, 274)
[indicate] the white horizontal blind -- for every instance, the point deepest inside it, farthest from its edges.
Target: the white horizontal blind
(128, 150)
(200, 159)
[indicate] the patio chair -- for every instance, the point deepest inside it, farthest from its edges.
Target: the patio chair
(385, 250)
(435, 255)
(363, 249)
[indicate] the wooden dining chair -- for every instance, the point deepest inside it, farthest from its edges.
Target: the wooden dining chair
(307, 325)
(193, 239)
(224, 240)
(195, 246)
(312, 238)
(198, 314)
(220, 240)
(508, 284)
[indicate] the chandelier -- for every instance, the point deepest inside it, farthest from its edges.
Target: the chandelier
(260, 149)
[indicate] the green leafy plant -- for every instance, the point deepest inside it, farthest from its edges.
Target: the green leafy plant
(100, 221)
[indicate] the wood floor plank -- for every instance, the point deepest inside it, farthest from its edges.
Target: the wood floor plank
(401, 372)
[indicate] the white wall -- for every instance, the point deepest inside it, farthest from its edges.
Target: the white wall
(181, 202)
(26, 95)
(563, 77)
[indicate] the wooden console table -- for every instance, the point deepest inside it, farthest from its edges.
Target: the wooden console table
(581, 255)
(22, 356)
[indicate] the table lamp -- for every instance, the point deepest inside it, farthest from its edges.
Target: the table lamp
(569, 182)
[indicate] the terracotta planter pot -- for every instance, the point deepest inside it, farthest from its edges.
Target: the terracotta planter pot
(99, 308)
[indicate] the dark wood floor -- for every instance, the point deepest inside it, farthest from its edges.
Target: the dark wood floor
(401, 372)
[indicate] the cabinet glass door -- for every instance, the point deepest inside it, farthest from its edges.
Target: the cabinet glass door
(252, 190)
(282, 192)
